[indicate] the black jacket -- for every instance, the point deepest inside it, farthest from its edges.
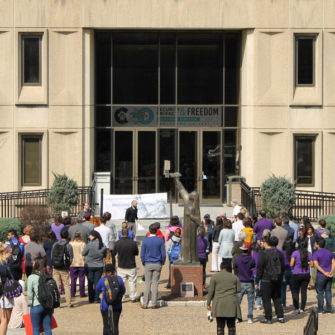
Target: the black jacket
(263, 259)
(216, 233)
(131, 214)
(126, 249)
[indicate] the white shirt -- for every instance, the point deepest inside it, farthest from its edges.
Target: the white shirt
(106, 235)
(237, 227)
(236, 210)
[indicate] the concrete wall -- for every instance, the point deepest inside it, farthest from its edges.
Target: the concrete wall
(272, 110)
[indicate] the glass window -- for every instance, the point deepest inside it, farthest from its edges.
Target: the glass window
(305, 60)
(135, 68)
(304, 160)
(102, 150)
(200, 70)
(31, 160)
(168, 69)
(229, 153)
(103, 67)
(31, 59)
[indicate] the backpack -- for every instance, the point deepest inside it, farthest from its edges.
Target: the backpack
(48, 294)
(171, 234)
(59, 257)
(273, 265)
(113, 291)
(175, 252)
(16, 258)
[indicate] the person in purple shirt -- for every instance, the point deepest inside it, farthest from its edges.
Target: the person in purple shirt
(299, 263)
(324, 262)
(202, 254)
(322, 225)
(104, 308)
(244, 266)
(57, 227)
(262, 224)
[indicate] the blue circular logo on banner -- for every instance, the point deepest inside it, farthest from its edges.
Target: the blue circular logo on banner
(145, 115)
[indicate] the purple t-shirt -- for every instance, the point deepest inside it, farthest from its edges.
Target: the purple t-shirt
(202, 246)
(286, 262)
(296, 270)
(320, 231)
(254, 255)
(261, 225)
(324, 258)
(57, 229)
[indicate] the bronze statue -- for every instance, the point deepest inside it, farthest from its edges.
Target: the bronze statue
(189, 248)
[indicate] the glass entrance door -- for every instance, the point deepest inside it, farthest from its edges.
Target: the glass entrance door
(146, 162)
(211, 165)
(188, 158)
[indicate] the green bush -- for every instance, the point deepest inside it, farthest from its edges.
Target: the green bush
(6, 224)
(330, 219)
(278, 196)
(64, 194)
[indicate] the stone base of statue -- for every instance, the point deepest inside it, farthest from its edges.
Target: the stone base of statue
(186, 273)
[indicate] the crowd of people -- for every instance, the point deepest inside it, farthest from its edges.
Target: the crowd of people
(252, 256)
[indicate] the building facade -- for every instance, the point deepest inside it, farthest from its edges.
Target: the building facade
(218, 88)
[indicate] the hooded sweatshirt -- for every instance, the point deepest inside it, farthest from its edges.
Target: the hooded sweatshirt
(172, 240)
(169, 230)
(243, 266)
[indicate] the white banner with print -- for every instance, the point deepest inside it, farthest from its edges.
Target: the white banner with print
(149, 205)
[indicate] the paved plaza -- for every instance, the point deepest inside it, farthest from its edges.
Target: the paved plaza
(85, 318)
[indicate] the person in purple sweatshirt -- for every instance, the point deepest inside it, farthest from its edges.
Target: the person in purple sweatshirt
(262, 224)
(202, 254)
(244, 266)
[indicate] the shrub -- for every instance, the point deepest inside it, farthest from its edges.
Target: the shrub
(33, 214)
(278, 196)
(7, 224)
(63, 194)
(330, 219)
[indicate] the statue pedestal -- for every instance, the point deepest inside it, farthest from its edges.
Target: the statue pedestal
(186, 273)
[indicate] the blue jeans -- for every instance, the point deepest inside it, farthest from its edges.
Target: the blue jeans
(40, 315)
(324, 285)
(249, 289)
(287, 280)
(93, 276)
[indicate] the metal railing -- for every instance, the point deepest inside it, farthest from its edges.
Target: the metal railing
(308, 203)
(12, 203)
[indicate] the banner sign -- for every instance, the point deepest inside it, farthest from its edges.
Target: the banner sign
(187, 116)
(149, 205)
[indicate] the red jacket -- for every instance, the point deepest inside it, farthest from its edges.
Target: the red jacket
(158, 233)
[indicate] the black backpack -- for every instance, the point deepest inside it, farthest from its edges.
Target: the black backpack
(113, 291)
(59, 257)
(48, 294)
(273, 264)
(16, 259)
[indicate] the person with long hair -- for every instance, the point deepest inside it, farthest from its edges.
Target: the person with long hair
(300, 260)
(95, 252)
(216, 245)
(226, 240)
(24, 239)
(77, 268)
(6, 304)
(57, 226)
(39, 315)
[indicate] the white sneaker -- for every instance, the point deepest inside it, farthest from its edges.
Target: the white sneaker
(296, 311)
(250, 321)
(258, 307)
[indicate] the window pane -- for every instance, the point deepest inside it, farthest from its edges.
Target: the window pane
(167, 69)
(231, 114)
(103, 64)
(229, 153)
(146, 162)
(305, 60)
(232, 69)
(103, 116)
(166, 152)
(304, 160)
(31, 59)
(123, 162)
(135, 68)
(31, 148)
(102, 150)
(200, 72)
